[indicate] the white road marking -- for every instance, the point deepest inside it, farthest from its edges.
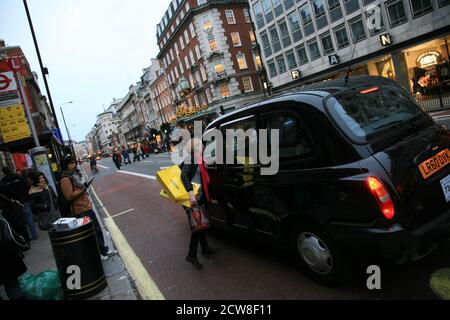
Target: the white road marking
(137, 174)
(102, 166)
(144, 282)
(121, 213)
(163, 167)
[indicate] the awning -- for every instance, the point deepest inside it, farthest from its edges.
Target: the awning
(200, 115)
(23, 145)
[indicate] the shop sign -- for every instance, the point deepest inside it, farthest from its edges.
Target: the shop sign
(13, 123)
(295, 74)
(385, 39)
(428, 59)
(333, 59)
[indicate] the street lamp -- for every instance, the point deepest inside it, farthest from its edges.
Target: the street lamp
(67, 130)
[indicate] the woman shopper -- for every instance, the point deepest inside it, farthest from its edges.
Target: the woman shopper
(43, 201)
(193, 170)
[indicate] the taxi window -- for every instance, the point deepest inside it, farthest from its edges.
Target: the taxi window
(368, 113)
(293, 140)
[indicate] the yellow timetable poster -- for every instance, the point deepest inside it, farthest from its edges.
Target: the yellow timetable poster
(13, 123)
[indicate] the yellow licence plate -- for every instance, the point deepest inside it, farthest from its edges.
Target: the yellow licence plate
(435, 163)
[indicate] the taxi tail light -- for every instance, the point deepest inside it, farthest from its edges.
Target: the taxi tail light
(382, 197)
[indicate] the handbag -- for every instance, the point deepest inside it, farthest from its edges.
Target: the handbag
(9, 236)
(198, 218)
(45, 219)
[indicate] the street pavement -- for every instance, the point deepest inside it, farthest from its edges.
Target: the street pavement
(154, 236)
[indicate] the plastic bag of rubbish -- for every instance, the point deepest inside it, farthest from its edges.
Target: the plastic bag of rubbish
(43, 286)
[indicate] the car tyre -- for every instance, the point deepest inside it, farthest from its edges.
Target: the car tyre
(318, 256)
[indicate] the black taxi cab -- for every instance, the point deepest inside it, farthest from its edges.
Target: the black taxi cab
(363, 171)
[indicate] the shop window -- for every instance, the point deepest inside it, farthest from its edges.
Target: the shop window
(340, 33)
(373, 30)
(396, 12)
(272, 68)
(351, 6)
(248, 84)
(385, 68)
(314, 51)
(277, 7)
(308, 26)
(281, 64)
(266, 45)
(302, 56)
(357, 29)
(335, 10)
(291, 62)
(275, 39)
(267, 8)
(285, 36)
(294, 23)
(420, 7)
(327, 43)
(319, 13)
(257, 10)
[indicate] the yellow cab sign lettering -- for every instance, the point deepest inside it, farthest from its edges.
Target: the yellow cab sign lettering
(435, 163)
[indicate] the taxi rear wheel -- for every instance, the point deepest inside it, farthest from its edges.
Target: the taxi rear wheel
(317, 254)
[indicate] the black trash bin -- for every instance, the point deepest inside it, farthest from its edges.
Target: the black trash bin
(78, 247)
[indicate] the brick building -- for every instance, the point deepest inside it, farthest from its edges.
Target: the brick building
(209, 53)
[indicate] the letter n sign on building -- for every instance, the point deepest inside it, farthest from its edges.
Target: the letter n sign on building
(385, 39)
(333, 59)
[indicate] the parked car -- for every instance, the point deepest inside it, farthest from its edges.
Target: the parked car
(363, 172)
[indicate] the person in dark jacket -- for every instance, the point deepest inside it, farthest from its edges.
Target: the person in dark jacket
(190, 172)
(20, 185)
(11, 258)
(116, 159)
(43, 201)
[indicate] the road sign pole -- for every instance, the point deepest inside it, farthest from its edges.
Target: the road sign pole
(27, 110)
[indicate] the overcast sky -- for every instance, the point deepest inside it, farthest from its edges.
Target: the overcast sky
(94, 50)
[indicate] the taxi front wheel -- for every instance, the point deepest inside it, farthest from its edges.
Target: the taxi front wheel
(317, 254)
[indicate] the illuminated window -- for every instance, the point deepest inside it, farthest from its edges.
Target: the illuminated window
(213, 45)
(219, 68)
(224, 90)
(252, 36)
(241, 61)
(206, 22)
(236, 39)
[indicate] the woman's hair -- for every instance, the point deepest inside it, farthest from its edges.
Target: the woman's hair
(35, 177)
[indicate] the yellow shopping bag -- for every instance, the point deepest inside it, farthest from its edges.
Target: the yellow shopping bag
(170, 179)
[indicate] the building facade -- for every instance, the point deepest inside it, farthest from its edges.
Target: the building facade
(106, 128)
(311, 40)
(132, 116)
(162, 97)
(209, 54)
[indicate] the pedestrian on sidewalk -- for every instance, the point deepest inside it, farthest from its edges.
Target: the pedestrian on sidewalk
(74, 190)
(189, 174)
(126, 156)
(21, 187)
(43, 201)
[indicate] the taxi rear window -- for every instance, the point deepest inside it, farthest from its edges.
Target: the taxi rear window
(367, 113)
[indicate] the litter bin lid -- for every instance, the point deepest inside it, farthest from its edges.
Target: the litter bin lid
(55, 234)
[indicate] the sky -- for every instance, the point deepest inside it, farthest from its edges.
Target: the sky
(94, 50)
